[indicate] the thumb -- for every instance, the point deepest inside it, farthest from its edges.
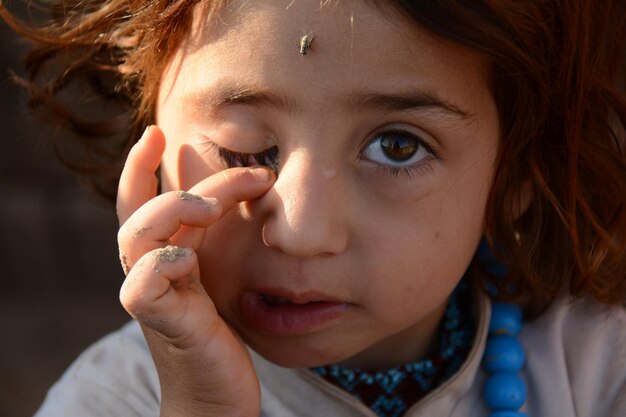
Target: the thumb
(138, 182)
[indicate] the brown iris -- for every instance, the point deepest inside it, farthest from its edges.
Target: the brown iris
(398, 148)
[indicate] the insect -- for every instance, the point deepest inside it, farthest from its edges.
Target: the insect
(305, 43)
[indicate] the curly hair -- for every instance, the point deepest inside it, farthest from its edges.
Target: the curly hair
(113, 52)
(556, 72)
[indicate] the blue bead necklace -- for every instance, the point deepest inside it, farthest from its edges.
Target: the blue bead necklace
(504, 390)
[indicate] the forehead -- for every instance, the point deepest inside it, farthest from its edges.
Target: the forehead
(355, 46)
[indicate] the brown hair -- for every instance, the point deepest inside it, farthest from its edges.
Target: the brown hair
(557, 75)
(115, 50)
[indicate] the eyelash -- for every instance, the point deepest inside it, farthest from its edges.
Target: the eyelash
(269, 157)
(406, 172)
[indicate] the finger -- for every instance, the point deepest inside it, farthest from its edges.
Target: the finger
(164, 293)
(218, 187)
(138, 182)
(235, 185)
(153, 225)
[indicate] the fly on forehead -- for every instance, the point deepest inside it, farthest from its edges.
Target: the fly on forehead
(305, 43)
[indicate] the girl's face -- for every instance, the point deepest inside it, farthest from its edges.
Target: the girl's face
(386, 139)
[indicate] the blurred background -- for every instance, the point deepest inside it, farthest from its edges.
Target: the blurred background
(59, 271)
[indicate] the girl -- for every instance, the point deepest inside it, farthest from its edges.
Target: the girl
(300, 222)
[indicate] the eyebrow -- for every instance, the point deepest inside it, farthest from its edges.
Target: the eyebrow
(419, 100)
(222, 96)
(226, 96)
(257, 98)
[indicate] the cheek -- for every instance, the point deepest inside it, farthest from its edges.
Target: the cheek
(220, 264)
(408, 244)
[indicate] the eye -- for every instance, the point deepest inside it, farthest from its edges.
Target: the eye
(397, 149)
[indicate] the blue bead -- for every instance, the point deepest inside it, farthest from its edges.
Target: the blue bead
(505, 319)
(497, 269)
(504, 391)
(484, 252)
(503, 353)
(490, 262)
(508, 414)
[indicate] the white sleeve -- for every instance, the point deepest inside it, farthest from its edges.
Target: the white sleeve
(619, 408)
(114, 377)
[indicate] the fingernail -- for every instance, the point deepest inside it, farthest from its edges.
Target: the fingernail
(145, 133)
(211, 201)
(263, 174)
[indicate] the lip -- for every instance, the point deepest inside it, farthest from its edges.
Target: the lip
(282, 313)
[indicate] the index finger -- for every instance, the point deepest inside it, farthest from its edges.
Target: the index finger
(235, 185)
(138, 182)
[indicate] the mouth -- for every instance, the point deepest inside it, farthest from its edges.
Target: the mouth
(280, 314)
(301, 299)
(274, 300)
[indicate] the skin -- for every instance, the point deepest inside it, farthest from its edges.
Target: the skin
(336, 221)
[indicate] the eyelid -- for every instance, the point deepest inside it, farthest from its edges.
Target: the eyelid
(205, 141)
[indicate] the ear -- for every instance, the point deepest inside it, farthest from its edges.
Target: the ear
(522, 199)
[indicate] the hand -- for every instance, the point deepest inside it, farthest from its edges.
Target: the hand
(204, 368)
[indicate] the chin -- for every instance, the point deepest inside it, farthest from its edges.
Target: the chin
(298, 354)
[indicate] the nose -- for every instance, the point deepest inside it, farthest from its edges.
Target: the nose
(305, 213)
